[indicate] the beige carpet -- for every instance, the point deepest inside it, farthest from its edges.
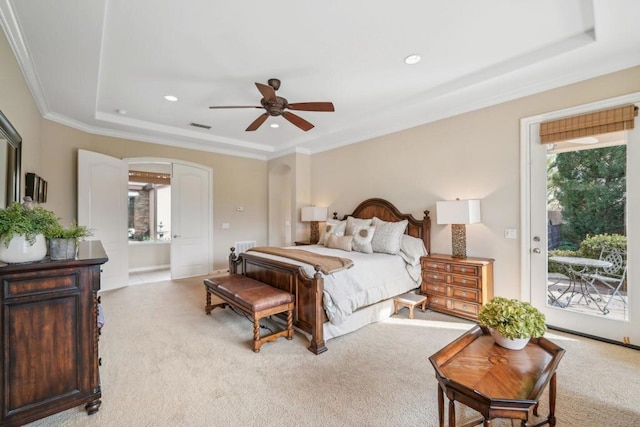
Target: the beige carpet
(166, 363)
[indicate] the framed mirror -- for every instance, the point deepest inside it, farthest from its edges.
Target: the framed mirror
(10, 160)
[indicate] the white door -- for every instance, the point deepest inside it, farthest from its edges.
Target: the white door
(191, 216)
(534, 258)
(102, 207)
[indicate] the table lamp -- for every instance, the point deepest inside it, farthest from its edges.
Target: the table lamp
(314, 214)
(458, 213)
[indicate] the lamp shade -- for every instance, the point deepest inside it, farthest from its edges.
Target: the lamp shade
(458, 212)
(314, 213)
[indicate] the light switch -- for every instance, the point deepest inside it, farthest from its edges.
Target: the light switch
(510, 233)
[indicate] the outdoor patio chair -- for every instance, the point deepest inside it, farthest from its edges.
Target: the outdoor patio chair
(612, 279)
(554, 279)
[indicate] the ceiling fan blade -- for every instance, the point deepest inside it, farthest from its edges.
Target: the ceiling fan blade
(236, 106)
(311, 106)
(268, 93)
(257, 122)
(298, 121)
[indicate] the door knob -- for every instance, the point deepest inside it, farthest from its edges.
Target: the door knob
(536, 239)
(536, 250)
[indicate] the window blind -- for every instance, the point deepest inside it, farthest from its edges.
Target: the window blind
(589, 124)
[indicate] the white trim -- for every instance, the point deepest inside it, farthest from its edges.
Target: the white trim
(525, 173)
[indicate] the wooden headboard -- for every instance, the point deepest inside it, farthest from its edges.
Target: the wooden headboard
(388, 212)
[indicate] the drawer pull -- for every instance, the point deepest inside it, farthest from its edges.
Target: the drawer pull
(464, 280)
(463, 269)
(435, 288)
(434, 265)
(464, 306)
(464, 294)
(434, 276)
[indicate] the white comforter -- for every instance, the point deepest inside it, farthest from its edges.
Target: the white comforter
(373, 278)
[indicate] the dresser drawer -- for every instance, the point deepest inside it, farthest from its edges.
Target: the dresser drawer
(437, 302)
(436, 288)
(471, 295)
(434, 265)
(464, 308)
(468, 270)
(434, 276)
(471, 282)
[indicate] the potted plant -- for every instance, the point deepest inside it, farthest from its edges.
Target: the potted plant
(512, 322)
(22, 233)
(63, 241)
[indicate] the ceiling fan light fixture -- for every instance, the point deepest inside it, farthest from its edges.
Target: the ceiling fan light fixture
(171, 98)
(274, 125)
(412, 59)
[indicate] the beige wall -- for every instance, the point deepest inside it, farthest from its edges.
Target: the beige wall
(17, 104)
(237, 181)
(474, 155)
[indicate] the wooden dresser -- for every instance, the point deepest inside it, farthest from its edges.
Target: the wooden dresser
(458, 286)
(48, 317)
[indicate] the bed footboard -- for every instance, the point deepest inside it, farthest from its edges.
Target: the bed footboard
(308, 314)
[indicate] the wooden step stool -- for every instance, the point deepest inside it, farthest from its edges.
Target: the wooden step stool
(409, 300)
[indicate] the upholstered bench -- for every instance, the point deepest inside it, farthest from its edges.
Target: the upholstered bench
(254, 298)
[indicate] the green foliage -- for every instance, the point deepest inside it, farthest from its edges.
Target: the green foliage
(592, 245)
(15, 219)
(74, 231)
(513, 318)
(590, 185)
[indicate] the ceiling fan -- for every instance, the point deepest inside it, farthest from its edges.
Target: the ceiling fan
(276, 106)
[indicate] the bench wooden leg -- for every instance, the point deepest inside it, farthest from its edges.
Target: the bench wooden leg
(290, 324)
(208, 307)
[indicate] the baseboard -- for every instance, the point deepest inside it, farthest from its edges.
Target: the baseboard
(150, 268)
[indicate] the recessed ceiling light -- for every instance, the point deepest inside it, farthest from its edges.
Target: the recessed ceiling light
(274, 125)
(412, 59)
(171, 98)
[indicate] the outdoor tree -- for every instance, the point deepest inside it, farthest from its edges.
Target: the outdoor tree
(590, 187)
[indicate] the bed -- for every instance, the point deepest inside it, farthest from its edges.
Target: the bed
(307, 283)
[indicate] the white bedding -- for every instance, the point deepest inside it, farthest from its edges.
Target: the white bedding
(373, 278)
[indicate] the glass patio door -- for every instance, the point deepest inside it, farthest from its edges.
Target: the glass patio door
(577, 309)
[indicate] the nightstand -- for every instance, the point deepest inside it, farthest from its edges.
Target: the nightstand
(304, 243)
(457, 286)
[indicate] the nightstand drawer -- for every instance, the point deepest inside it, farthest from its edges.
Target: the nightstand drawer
(470, 282)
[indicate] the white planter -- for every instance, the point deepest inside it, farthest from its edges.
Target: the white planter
(20, 250)
(511, 344)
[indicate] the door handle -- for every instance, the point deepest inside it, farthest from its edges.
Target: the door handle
(536, 250)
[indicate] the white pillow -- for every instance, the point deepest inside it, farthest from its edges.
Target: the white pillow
(411, 249)
(340, 242)
(388, 235)
(352, 223)
(362, 237)
(332, 226)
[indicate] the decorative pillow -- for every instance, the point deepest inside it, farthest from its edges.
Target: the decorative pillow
(362, 237)
(352, 223)
(411, 249)
(388, 235)
(339, 242)
(332, 226)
